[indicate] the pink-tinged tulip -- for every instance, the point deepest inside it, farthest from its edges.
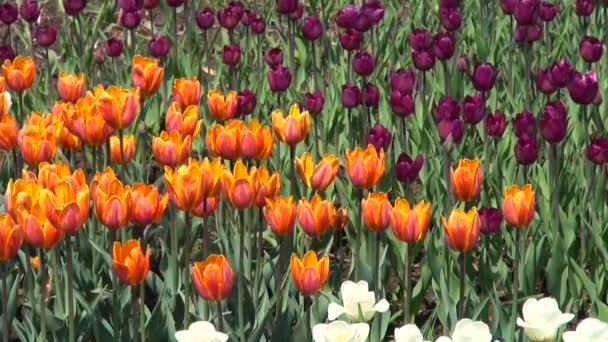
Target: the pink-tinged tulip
(462, 229)
(376, 211)
(11, 237)
(118, 106)
(518, 205)
(315, 216)
(147, 204)
(410, 224)
(466, 180)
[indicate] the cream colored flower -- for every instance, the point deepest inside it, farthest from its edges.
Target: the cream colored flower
(201, 331)
(359, 304)
(340, 331)
(408, 333)
(467, 330)
(542, 318)
(588, 330)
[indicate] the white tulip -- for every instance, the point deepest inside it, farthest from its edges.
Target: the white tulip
(467, 330)
(408, 333)
(201, 331)
(359, 303)
(542, 319)
(588, 330)
(340, 331)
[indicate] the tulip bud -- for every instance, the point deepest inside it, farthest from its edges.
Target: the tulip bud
(205, 18)
(370, 95)
(29, 10)
(560, 72)
(99, 56)
(286, 6)
(312, 27)
(379, 136)
(462, 63)
(597, 151)
(584, 7)
(150, 4)
(231, 54)
(229, 16)
(73, 7)
(8, 13)
(313, 102)
(351, 40)
(247, 102)
(364, 22)
(553, 122)
(584, 87)
(590, 49)
(406, 169)
(6, 52)
(274, 56)
(484, 76)
(403, 80)
(402, 103)
(527, 34)
(548, 11)
(159, 46)
(347, 16)
(248, 16)
(114, 47)
(543, 81)
(447, 109)
(453, 129)
(46, 35)
(524, 124)
(364, 63)
(175, 3)
(131, 19)
(258, 25)
(490, 218)
(130, 5)
(507, 6)
(462, 229)
(473, 108)
(376, 209)
(495, 124)
(419, 39)
(526, 150)
(526, 12)
(351, 95)
(11, 237)
(374, 10)
(423, 59)
(450, 18)
(297, 14)
(279, 78)
(443, 45)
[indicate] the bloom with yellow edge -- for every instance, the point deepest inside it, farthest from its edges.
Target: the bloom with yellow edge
(84, 121)
(238, 140)
(213, 278)
(240, 185)
(71, 87)
(185, 121)
(191, 183)
(186, 91)
(148, 204)
(147, 74)
(129, 262)
(309, 274)
(293, 128)
(171, 149)
(222, 108)
(376, 211)
(316, 216)
(319, 176)
(466, 179)
(128, 149)
(8, 127)
(364, 167)
(268, 185)
(410, 224)
(518, 205)
(11, 237)
(67, 205)
(112, 200)
(462, 229)
(36, 142)
(118, 106)
(19, 73)
(280, 214)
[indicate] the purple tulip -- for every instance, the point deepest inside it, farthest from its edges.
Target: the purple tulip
(490, 219)
(130, 5)
(131, 19)
(347, 16)
(279, 78)
(114, 47)
(597, 151)
(247, 102)
(249, 16)
(258, 25)
(370, 95)
(590, 49)
(8, 13)
(484, 76)
(507, 6)
(274, 56)
(403, 80)
(473, 108)
(73, 7)
(402, 103)
(451, 130)
(46, 35)
(450, 18)
(364, 22)
(351, 40)
(351, 95)
(583, 87)
(449, 3)
(229, 16)
(526, 12)
(379, 136)
(286, 6)
(447, 109)
(419, 39)
(297, 14)
(312, 27)
(406, 169)
(231, 54)
(584, 7)
(314, 102)
(374, 10)
(547, 11)
(175, 3)
(150, 4)
(553, 122)
(526, 150)
(560, 72)
(6, 52)
(495, 124)
(29, 10)
(543, 81)
(364, 63)
(462, 63)
(443, 45)
(527, 34)
(524, 124)
(159, 46)
(423, 59)
(205, 18)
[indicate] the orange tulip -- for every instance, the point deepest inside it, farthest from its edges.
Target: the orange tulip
(37, 143)
(410, 224)
(518, 205)
(293, 128)
(255, 141)
(67, 206)
(129, 262)
(103, 179)
(240, 186)
(317, 177)
(118, 106)
(186, 122)
(71, 87)
(190, 183)
(147, 204)
(19, 74)
(5, 102)
(223, 141)
(213, 278)
(11, 237)
(37, 229)
(222, 108)
(147, 74)
(309, 274)
(316, 216)
(8, 127)
(267, 186)
(462, 229)
(128, 149)
(466, 179)
(340, 219)
(171, 148)
(84, 121)
(376, 211)
(112, 201)
(364, 167)
(280, 214)
(2, 84)
(63, 136)
(206, 207)
(21, 193)
(186, 91)
(49, 175)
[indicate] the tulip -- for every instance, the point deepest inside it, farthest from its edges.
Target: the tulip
(525, 12)
(8, 13)
(19, 74)
(462, 63)
(297, 14)
(316, 216)
(410, 224)
(148, 204)
(473, 108)
(526, 150)
(29, 10)
(73, 7)
(408, 333)
(376, 211)
(319, 176)
(37, 230)
(340, 331)
(130, 5)
(424, 60)
(403, 80)
(130, 19)
(402, 104)
(553, 122)
(8, 127)
(351, 40)
(347, 16)
(268, 185)
(128, 149)
(359, 304)
(21, 193)
(548, 11)
(229, 17)
(419, 39)
(113, 47)
(559, 73)
(450, 18)
(46, 35)
(484, 76)
(280, 214)
(490, 218)
(313, 102)
(452, 130)
(84, 121)
(495, 124)
(467, 329)
(5, 102)
(293, 128)
(146, 74)
(462, 229)
(118, 106)
(447, 109)
(175, 3)
(112, 201)
(71, 87)
(527, 34)
(279, 78)
(213, 278)
(309, 273)
(597, 151)
(524, 124)
(583, 87)
(159, 46)
(240, 186)
(374, 10)
(205, 18)
(543, 81)
(237, 140)
(190, 183)
(222, 107)
(185, 122)
(171, 149)
(590, 49)
(50, 175)
(312, 27)
(584, 7)
(247, 102)
(37, 143)
(379, 136)
(248, 16)
(364, 167)
(589, 329)
(370, 95)
(258, 25)
(406, 169)
(364, 63)
(340, 219)
(466, 180)
(518, 205)
(231, 54)
(199, 329)
(351, 95)
(6, 53)
(443, 45)
(274, 56)
(542, 318)
(11, 237)
(286, 6)
(129, 262)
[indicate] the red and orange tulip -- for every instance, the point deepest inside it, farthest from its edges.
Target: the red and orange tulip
(340, 219)
(462, 229)
(49, 175)
(186, 91)
(410, 224)
(37, 229)
(466, 180)
(8, 127)
(364, 167)
(11, 237)
(280, 214)
(293, 128)
(206, 207)
(84, 121)
(222, 108)
(213, 278)
(190, 183)
(112, 199)
(268, 185)
(118, 106)
(240, 186)
(518, 205)
(237, 140)
(19, 73)
(186, 122)
(129, 262)
(67, 205)
(376, 211)
(21, 193)
(147, 74)
(171, 149)
(36, 142)
(71, 87)
(309, 274)
(63, 136)
(316, 216)
(147, 204)
(256, 141)
(319, 176)
(5, 102)
(128, 149)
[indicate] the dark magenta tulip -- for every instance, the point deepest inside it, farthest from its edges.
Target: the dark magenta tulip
(547, 11)
(274, 56)
(159, 46)
(584, 87)
(495, 124)
(279, 78)
(590, 49)
(258, 25)
(560, 72)
(420, 39)
(312, 27)
(231, 54)
(113, 47)
(247, 102)
(370, 95)
(29, 10)
(524, 124)
(443, 45)
(314, 102)
(379, 136)
(347, 16)
(543, 81)
(205, 18)
(423, 59)
(528, 34)
(525, 12)
(403, 80)
(553, 122)
(46, 35)
(451, 130)
(364, 63)
(8, 13)
(6, 52)
(490, 218)
(473, 108)
(526, 150)
(584, 7)
(450, 18)
(484, 76)
(351, 40)
(597, 151)
(406, 169)
(447, 109)
(351, 95)
(402, 104)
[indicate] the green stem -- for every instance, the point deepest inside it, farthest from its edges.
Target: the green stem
(174, 249)
(317, 141)
(463, 265)
(377, 266)
(241, 277)
(292, 169)
(220, 317)
(258, 258)
(6, 329)
(70, 271)
(409, 260)
(515, 285)
(115, 300)
(134, 308)
(554, 179)
(42, 283)
(358, 233)
(123, 164)
(308, 308)
(142, 311)
(186, 262)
